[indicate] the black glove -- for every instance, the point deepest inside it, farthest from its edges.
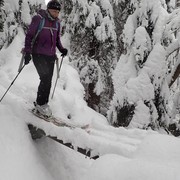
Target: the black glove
(64, 52)
(27, 58)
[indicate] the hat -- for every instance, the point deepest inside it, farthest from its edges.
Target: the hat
(54, 4)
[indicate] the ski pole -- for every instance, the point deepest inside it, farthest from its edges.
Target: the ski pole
(58, 75)
(19, 71)
(22, 61)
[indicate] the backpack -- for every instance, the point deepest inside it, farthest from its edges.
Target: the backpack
(40, 27)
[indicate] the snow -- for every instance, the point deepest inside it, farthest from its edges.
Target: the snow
(14, 4)
(46, 1)
(124, 153)
(26, 18)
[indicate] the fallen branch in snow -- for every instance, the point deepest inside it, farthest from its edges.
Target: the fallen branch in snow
(37, 133)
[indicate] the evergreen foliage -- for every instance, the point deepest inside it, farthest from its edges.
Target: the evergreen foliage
(2, 19)
(12, 17)
(139, 57)
(93, 39)
(121, 9)
(1, 16)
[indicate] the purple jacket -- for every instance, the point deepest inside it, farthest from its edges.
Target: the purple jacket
(47, 40)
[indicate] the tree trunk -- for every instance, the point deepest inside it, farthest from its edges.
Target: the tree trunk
(177, 3)
(175, 76)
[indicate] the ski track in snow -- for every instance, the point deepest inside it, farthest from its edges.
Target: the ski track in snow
(102, 139)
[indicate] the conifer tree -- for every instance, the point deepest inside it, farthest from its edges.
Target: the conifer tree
(141, 90)
(121, 9)
(171, 40)
(1, 15)
(93, 47)
(2, 19)
(14, 15)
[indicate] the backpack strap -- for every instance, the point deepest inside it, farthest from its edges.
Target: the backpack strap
(51, 28)
(57, 25)
(40, 27)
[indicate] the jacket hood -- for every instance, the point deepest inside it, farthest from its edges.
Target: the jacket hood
(42, 12)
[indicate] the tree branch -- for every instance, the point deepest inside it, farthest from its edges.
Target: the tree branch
(175, 76)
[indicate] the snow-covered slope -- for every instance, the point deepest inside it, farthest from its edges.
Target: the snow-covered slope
(124, 154)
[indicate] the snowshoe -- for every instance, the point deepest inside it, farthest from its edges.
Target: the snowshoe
(43, 110)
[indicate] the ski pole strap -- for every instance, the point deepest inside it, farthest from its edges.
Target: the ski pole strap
(58, 75)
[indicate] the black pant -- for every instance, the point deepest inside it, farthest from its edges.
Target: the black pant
(45, 67)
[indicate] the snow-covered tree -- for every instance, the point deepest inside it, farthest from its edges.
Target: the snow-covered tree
(1, 16)
(171, 5)
(14, 14)
(141, 89)
(172, 38)
(93, 46)
(2, 19)
(122, 9)
(10, 24)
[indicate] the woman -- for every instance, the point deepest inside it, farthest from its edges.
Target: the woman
(41, 40)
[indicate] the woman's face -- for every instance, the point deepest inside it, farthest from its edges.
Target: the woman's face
(54, 13)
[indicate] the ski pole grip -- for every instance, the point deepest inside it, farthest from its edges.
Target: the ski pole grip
(57, 66)
(22, 61)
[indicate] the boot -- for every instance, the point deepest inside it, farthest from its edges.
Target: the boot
(43, 109)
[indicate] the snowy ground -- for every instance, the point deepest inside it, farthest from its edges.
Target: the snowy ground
(124, 154)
